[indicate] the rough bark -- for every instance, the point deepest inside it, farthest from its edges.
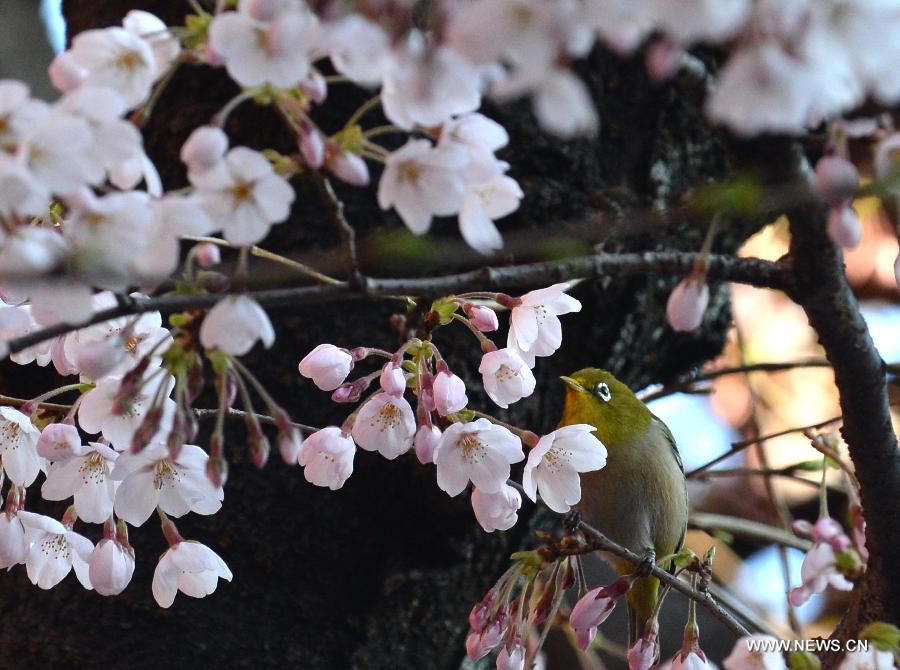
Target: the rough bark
(382, 573)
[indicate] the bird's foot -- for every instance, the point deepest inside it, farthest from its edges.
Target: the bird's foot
(572, 520)
(645, 569)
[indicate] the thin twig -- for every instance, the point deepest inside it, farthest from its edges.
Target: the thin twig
(232, 413)
(345, 230)
(737, 447)
(752, 530)
(9, 401)
(597, 541)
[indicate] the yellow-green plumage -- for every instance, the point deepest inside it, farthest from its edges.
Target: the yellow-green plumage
(639, 499)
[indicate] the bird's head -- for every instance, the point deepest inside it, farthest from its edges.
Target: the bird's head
(596, 397)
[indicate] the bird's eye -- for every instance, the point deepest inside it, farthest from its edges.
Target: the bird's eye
(602, 391)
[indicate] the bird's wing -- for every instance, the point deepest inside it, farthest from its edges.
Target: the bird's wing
(668, 435)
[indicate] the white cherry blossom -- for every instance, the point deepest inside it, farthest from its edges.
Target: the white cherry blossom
(871, 658)
(421, 181)
(327, 457)
(60, 442)
(155, 33)
(480, 452)
(244, 196)
(426, 443)
(152, 478)
(87, 478)
(18, 447)
(118, 59)
(535, 329)
(484, 203)
(234, 325)
(496, 511)
(359, 49)
(258, 52)
(385, 424)
(687, 304)
(189, 567)
(13, 547)
(506, 376)
(54, 551)
(555, 462)
(327, 365)
(204, 148)
(449, 393)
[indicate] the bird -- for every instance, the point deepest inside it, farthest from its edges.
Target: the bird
(639, 499)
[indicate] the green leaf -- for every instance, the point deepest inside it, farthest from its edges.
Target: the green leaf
(803, 660)
(885, 636)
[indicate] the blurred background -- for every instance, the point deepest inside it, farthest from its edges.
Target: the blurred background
(767, 328)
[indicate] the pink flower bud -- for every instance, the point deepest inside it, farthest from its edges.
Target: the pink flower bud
(594, 608)
(426, 441)
(843, 226)
(204, 148)
(96, 358)
(836, 178)
(644, 653)
(663, 60)
(207, 254)
(449, 393)
(65, 73)
(327, 365)
(111, 567)
(687, 303)
(483, 318)
(392, 379)
(312, 147)
(349, 167)
(290, 442)
(345, 393)
(60, 442)
(479, 645)
(478, 617)
(511, 658)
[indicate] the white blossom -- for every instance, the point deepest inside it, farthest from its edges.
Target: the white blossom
(111, 567)
(506, 376)
(327, 365)
(327, 457)
(496, 511)
(54, 551)
(189, 567)
(385, 424)
(478, 451)
(234, 325)
(534, 328)
(87, 478)
(18, 446)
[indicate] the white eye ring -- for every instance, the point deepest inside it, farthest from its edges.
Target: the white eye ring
(603, 392)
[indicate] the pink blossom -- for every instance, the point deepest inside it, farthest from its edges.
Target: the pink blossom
(644, 653)
(312, 148)
(496, 511)
(207, 255)
(478, 451)
(535, 329)
(60, 442)
(483, 318)
(511, 657)
(843, 226)
(687, 304)
(426, 442)
(742, 657)
(691, 21)
(155, 33)
(359, 49)
(204, 148)
(506, 376)
(327, 457)
(448, 392)
(392, 379)
(327, 365)
(234, 325)
(189, 567)
(818, 571)
(479, 645)
(348, 167)
(691, 660)
(111, 567)
(87, 478)
(385, 424)
(593, 608)
(118, 59)
(555, 462)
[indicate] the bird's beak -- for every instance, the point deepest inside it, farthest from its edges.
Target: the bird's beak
(568, 381)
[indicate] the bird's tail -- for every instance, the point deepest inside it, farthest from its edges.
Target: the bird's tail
(642, 597)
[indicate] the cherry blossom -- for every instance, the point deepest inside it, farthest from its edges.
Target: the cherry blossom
(593, 608)
(554, 463)
(347, 166)
(204, 148)
(111, 566)
(692, 660)
(506, 376)
(478, 451)
(102, 410)
(189, 567)
(327, 365)
(85, 477)
(359, 49)
(687, 304)
(13, 547)
(327, 457)
(818, 571)
(742, 657)
(496, 511)
(18, 447)
(868, 659)
(118, 59)
(448, 392)
(54, 551)
(644, 653)
(385, 424)
(60, 442)
(152, 478)
(155, 33)
(234, 325)
(244, 196)
(392, 379)
(511, 658)
(483, 318)
(702, 20)
(534, 328)
(426, 442)
(421, 181)
(274, 51)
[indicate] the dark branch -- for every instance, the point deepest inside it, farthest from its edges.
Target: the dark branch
(753, 271)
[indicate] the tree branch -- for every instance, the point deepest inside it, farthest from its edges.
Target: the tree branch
(753, 271)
